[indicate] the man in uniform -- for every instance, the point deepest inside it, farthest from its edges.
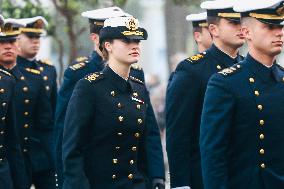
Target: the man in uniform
(185, 93)
(12, 166)
(242, 120)
(34, 109)
(94, 63)
(201, 33)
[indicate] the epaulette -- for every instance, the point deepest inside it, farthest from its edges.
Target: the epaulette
(135, 79)
(5, 72)
(46, 61)
(78, 66)
(33, 71)
(81, 59)
(231, 70)
(136, 66)
(195, 58)
(81, 63)
(94, 76)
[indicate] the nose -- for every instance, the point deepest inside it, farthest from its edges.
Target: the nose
(8, 46)
(279, 31)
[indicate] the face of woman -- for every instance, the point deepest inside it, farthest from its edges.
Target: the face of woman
(124, 50)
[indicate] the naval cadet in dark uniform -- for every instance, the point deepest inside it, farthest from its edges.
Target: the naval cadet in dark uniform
(84, 66)
(34, 113)
(242, 119)
(12, 168)
(81, 67)
(185, 94)
(29, 44)
(105, 142)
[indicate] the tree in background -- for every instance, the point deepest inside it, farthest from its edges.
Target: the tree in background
(177, 28)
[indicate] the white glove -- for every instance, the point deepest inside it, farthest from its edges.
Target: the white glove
(182, 187)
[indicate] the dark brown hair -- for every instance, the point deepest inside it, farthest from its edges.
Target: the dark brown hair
(103, 49)
(213, 20)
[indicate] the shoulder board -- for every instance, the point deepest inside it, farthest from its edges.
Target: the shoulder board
(81, 59)
(136, 66)
(135, 79)
(33, 71)
(94, 76)
(5, 72)
(77, 66)
(195, 58)
(46, 61)
(231, 70)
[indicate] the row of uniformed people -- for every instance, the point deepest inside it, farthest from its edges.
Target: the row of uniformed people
(134, 151)
(223, 111)
(28, 107)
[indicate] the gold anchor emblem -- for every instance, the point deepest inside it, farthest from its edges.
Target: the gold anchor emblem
(132, 24)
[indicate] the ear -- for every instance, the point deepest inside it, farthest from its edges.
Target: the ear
(94, 37)
(197, 36)
(214, 30)
(108, 46)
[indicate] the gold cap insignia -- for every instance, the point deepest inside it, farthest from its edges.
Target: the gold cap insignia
(132, 24)
(39, 24)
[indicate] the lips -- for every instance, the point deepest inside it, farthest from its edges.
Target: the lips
(241, 36)
(278, 43)
(8, 54)
(35, 48)
(134, 53)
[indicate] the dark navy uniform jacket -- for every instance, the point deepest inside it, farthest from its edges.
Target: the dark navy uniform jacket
(34, 118)
(242, 129)
(184, 100)
(77, 71)
(12, 166)
(106, 133)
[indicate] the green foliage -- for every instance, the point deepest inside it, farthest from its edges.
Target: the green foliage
(119, 3)
(186, 2)
(26, 9)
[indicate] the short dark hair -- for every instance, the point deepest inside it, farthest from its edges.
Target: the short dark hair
(213, 20)
(197, 29)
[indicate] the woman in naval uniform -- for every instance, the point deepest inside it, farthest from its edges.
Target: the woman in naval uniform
(105, 132)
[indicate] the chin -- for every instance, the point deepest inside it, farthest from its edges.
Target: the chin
(133, 61)
(276, 52)
(9, 61)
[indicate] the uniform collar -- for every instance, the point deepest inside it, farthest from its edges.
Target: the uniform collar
(116, 80)
(17, 73)
(23, 62)
(97, 59)
(259, 69)
(222, 58)
(95, 55)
